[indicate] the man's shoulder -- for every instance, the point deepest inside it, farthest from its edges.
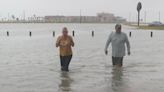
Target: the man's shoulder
(123, 33)
(112, 33)
(60, 36)
(69, 36)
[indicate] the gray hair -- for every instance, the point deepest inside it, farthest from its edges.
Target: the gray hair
(118, 26)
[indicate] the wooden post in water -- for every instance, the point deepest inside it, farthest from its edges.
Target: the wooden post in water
(53, 33)
(73, 33)
(30, 33)
(93, 34)
(130, 34)
(7, 33)
(151, 34)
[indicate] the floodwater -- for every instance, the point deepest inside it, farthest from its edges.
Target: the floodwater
(31, 64)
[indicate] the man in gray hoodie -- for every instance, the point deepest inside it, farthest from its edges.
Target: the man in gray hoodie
(118, 40)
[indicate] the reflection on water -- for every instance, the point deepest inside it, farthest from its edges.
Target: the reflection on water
(65, 85)
(117, 80)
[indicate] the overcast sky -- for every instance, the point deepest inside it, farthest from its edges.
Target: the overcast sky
(124, 8)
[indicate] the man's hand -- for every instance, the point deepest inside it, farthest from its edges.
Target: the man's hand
(57, 45)
(129, 53)
(106, 52)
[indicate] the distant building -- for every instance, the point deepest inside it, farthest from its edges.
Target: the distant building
(106, 17)
(100, 18)
(120, 19)
(35, 19)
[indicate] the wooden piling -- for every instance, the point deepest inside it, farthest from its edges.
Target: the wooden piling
(130, 34)
(151, 34)
(53, 33)
(73, 33)
(30, 33)
(7, 33)
(93, 34)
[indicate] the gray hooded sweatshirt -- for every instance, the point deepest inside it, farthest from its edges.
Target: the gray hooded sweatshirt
(118, 41)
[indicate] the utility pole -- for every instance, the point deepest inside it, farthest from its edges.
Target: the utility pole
(130, 17)
(159, 16)
(8, 16)
(145, 17)
(24, 15)
(80, 17)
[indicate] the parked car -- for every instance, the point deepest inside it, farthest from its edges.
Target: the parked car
(156, 23)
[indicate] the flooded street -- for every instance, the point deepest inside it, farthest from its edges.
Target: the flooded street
(31, 64)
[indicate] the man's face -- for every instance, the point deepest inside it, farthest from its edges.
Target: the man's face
(65, 32)
(118, 30)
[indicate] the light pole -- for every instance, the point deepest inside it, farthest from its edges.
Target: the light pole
(139, 7)
(145, 17)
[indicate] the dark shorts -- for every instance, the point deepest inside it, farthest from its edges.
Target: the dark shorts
(65, 61)
(117, 61)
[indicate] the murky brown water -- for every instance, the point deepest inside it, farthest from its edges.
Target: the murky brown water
(32, 64)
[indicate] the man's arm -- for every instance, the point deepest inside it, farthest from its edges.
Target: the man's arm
(72, 42)
(107, 43)
(127, 44)
(58, 42)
